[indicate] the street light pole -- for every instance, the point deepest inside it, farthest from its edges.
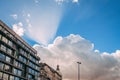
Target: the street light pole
(79, 70)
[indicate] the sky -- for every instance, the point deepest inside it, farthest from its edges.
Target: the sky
(66, 31)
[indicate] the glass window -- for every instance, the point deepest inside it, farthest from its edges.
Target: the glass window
(0, 36)
(29, 70)
(20, 65)
(10, 43)
(1, 75)
(16, 78)
(33, 72)
(25, 60)
(37, 67)
(15, 63)
(8, 59)
(3, 47)
(5, 76)
(4, 39)
(29, 76)
(21, 51)
(19, 72)
(15, 71)
(37, 61)
(16, 54)
(25, 53)
(0, 27)
(9, 51)
(20, 58)
(2, 56)
(11, 77)
(1, 66)
(7, 68)
(30, 64)
(5, 31)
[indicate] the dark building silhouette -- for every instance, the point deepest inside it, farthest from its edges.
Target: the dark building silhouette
(18, 60)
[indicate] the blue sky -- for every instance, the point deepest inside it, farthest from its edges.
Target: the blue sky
(96, 20)
(64, 31)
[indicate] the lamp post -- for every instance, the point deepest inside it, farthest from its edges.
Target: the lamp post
(79, 70)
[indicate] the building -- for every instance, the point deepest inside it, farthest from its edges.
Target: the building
(48, 73)
(18, 60)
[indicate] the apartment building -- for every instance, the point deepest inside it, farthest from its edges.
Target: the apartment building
(18, 60)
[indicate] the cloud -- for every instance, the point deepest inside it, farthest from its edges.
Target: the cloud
(75, 1)
(64, 1)
(60, 1)
(18, 28)
(41, 21)
(15, 16)
(41, 26)
(66, 51)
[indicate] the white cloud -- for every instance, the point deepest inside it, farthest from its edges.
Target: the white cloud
(97, 51)
(41, 26)
(75, 1)
(66, 51)
(14, 16)
(59, 1)
(18, 28)
(66, 1)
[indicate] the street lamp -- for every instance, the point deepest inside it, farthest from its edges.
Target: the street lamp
(79, 70)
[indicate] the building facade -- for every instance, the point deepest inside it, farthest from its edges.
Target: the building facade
(18, 60)
(48, 73)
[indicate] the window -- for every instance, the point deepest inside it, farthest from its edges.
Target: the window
(16, 78)
(15, 63)
(2, 56)
(20, 58)
(15, 71)
(19, 72)
(4, 39)
(25, 53)
(32, 58)
(11, 77)
(9, 51)
(29, 76)
(33, 72)
(5, 76)
(23, 59)
(0, 36)
(21, 51)
(20, 65)
(7, 68)
(3, 48)
(29, 70)
(8, 59)
(1, 66)
(10, 43)
(37, 67)
(16, 54)
(36, 73)
(5, 31)
(1, 75)
(37, 61)
(0, 27)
